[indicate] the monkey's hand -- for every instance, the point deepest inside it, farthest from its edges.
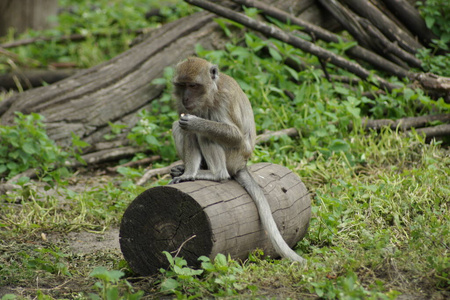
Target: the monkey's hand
(189, 122)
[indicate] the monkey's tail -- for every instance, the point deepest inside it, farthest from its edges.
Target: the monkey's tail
(245, 179)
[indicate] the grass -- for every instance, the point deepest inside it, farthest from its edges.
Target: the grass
(380, 200)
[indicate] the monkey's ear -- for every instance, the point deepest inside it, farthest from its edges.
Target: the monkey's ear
(214, 71)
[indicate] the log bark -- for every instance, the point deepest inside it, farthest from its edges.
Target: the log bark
(206, 218)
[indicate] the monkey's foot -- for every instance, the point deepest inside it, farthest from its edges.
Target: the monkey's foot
(181, 178)
(177, 171)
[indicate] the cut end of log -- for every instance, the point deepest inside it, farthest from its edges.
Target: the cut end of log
(192, 219)
(162, 219)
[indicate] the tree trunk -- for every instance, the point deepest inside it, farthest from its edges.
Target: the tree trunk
(116, 90)
(206, 218)
(24, 14)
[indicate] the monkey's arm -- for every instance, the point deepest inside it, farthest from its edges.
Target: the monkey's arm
(223, 133)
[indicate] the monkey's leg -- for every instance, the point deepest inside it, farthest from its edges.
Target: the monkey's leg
(214, 155)
(189, 151)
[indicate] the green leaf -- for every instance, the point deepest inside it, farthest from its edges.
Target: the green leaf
(169, 257)
(169, 284)
(112, 293)
(29, 148)
(342, 90)
(105, 275)
(275, 54)
(159, 81)
(220, 260)
(339, 145)
(429, 20)
(151, 140)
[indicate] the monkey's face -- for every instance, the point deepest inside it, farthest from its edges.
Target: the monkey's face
(195, 84)
(191, 94)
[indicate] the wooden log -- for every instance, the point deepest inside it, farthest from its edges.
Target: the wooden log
(206, 218)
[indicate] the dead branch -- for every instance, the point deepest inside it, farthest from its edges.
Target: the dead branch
(106, 155)
(432, 82)
(265, 137)
(134, 163)
(357, 52)
(388, 46)
(411, 17)
(404, 123)
(438, 131)
(33, 78)
(16, 57)
(368, 35)
(157, 172)
(292, 40)
(7, 187)
(31, 173)
(68, 38)
(396, 34)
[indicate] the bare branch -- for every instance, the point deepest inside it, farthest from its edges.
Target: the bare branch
(292, 40)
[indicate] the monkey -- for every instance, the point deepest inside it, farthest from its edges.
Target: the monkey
(215, 136)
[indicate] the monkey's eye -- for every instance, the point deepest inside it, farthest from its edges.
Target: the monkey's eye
(192, 85)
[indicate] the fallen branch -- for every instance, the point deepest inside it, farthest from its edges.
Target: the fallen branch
(16, 57)
(265, 137)
(31, 173)
(134, 163)
(369, 11)
(33, 78)
(67, 38)
(293, 40)
(435, 131)
(427, 81)
(106, 155)
(157, 172)
(411, 17)
(7, 187)
(369, 35)
(356, 52)
(403, 123)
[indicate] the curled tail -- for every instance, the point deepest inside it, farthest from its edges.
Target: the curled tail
(245, 179)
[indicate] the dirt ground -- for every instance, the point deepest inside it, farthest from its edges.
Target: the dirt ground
(88, 242)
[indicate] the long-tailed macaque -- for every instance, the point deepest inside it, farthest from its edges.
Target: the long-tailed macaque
(215, 136)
